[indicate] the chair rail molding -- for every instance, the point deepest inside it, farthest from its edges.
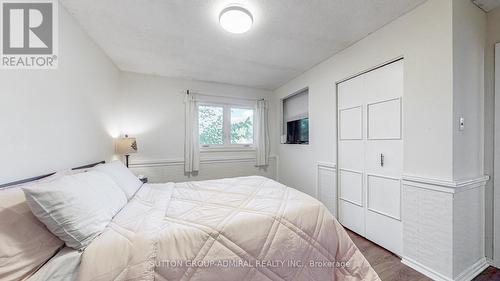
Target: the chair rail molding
(442, 185)
(325, 164)
(205, 160)
(211, 167)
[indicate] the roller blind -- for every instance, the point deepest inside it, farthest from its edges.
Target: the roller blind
(296, 107)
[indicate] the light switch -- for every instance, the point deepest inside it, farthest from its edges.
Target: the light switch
(462, 124)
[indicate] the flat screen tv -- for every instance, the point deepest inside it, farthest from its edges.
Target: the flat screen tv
(297, 131)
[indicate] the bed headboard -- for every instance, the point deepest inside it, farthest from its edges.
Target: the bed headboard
(46, 175)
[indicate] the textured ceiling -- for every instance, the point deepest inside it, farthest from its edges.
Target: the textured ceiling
(487, 5)
(182, 38)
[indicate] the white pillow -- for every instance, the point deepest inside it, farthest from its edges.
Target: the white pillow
(25, 242)
(76, 208)
(125, 179)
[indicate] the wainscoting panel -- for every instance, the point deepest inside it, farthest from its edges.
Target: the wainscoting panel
(326, 187)
(468, 234)
(443, 227)
(172, 170)
(428, 229)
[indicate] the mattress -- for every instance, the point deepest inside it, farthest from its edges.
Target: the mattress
(248, 228)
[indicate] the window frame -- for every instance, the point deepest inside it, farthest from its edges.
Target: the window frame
(227, 146)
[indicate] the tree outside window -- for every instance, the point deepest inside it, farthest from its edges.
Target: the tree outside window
(213, 129)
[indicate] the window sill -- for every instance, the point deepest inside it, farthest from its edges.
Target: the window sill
(227, 149)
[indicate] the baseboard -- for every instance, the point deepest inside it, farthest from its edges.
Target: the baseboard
(473, 271)
(424, 270)
(467, 275)
(494, 263)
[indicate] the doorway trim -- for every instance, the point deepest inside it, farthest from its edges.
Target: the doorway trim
(496, 164)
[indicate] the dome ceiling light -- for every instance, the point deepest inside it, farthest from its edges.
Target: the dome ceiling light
(236, 19)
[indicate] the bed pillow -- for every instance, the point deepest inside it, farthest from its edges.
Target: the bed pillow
(25, 242)
(125, 179)
(76, 208)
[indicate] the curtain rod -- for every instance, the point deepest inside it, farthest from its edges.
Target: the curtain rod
(228, 97)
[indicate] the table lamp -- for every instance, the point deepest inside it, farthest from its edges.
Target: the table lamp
(126, 146)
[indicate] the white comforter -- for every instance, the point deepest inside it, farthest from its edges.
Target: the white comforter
(249, 228)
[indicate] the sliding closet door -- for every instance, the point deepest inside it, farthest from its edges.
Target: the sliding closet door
(370, 155)
(383, 156)
(351, 154)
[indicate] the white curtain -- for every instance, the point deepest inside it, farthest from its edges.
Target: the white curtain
(262, 133)
(191, 146)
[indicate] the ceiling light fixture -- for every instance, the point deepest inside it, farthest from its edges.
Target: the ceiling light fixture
(236, 19)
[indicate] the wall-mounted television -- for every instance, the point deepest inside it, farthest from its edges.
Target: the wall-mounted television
(297, 131)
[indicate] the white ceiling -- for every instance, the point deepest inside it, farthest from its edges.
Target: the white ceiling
(182, 38)
(487, 5)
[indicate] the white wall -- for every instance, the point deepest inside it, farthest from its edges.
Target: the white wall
(493, 36)
(469, 39)
(57, 119)
(152, 110)
(424, 38)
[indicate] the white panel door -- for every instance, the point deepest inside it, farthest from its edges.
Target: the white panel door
(370, 162)
(351, 129)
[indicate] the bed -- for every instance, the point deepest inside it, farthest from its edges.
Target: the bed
(246, 228)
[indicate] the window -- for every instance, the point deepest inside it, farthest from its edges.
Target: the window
(225, 126)
(241, 125)
(211, 119)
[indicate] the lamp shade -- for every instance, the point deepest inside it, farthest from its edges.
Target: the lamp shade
(126, 146)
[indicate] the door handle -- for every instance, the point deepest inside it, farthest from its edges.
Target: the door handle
(381, 160)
